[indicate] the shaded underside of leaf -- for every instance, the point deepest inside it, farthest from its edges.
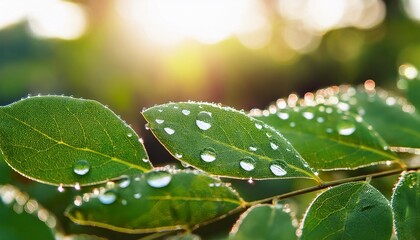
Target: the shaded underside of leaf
(329, 138)
(225, 142)
(49, 138)
(406, 206)
(157, 201)
(348, 211)
(264, 222)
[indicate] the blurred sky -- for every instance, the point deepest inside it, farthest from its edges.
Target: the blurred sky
(131, 54)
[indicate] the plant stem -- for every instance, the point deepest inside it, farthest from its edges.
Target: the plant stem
(331, 184)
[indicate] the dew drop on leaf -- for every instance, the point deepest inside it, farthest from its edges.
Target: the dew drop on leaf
(137, 195)
(274, 146)
(60, 188)
(308, 115)
(346, 128)
(283, 116)
(208, 155)
(203, 120)
(129, 135)
(258, 126)
(278, 168)
(107, 198)
(159, 179)
(320, 119)
(169, 131)
(124, 182)
(159, 121)
(247, 163)
(81, 167)
(252, 149)
(178, 155)
(186, 112)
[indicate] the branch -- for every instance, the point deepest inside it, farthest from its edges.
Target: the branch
(333, 183)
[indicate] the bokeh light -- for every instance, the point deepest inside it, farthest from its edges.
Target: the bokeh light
(46, 18)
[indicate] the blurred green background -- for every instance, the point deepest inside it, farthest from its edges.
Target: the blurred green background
(131, 54)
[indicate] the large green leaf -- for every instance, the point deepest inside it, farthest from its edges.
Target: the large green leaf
(264, 222)
(22, 217)
(348, 211)
(62, 140)
(329, 139)
(226, 142)
(392, 117)
(406, 206)
(156, 201)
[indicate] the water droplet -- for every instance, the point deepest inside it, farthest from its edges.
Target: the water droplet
(250, 181)
(169, 131)
(278, 168)
(124, 182)
(283, 116)
(78, 201)
(77, 186)
(177, 155)
(186, 112)
(346, 128)
(388, 163)
(258, 126)
(81, 167)
(328, 110)
(208, 155)
(247, 164)
(159, 121)
(124, 202)
(129, 135)
(203, 120)
(252, 149)
(159, 179)
(320, 119)
(160, 110)
(137, 195)
(329, 130)
(308, 115)
(274, 146)
(107, 198)
(60, 188)
(146, 126)
(292, 124)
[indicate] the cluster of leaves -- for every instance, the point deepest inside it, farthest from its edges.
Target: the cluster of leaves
(69, 142)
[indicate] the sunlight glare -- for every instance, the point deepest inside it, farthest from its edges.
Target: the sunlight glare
(169, 22)
(57, 19)
(11, 12)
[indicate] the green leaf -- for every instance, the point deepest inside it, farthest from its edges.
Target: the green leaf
(406, 206)
(329, 138)
(62, 140)
(156, 201)
(348, 211)
(226, 142)
(22, 217)
(264, 222)
(392, 117)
